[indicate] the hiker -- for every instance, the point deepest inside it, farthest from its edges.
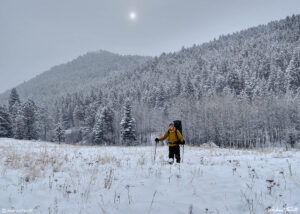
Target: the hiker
(175, 138)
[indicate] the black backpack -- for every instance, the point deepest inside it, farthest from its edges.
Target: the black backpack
(178, 126)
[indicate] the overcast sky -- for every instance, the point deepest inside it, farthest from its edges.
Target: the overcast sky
(38, 34)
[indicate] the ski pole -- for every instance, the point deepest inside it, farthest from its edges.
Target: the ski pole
(155, 150)
(182, 152)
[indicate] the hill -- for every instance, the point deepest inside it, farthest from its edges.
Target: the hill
(260, 60)
(241, 89)
(82, 73)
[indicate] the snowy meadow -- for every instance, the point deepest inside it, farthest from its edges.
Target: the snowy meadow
(41, 177)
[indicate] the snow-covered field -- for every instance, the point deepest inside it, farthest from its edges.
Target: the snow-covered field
(40, 177)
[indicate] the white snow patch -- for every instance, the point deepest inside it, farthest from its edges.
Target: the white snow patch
(209, 144)
(52, 178)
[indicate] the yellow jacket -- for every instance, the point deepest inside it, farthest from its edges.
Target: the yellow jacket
(173, 139)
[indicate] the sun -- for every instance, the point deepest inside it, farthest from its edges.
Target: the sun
(132, 15)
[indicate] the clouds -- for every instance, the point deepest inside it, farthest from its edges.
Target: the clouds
(36, 35)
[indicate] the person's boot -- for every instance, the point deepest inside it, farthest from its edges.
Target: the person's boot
(171, 161)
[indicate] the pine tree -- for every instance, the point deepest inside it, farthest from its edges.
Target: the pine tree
(59, 133)
(272, 81)
(99, 98)
(98, 130)
(220, 83)
(293, 71)
(90, 115)
(114, 99)
(128, 132)
(152, 96)
(57, 113)
(178, 86)
(65, 119)
(249, 86)
(15, 110)
(19, 125)
(160, 100)
(70, 111)
(5, 123)
(30, 120)
(189, 88)
(78, 115)
(13, 99)
(235, 82)
(45, 122)
(103, 130)
(281, 81)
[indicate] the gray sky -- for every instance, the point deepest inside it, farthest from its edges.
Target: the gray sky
(38, 34)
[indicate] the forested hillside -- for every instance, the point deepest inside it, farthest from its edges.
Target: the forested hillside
(82, 73)
(239, 90)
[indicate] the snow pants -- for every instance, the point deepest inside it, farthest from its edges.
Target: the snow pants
(174, 150)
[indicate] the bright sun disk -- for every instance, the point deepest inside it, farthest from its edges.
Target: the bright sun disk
(132, 15)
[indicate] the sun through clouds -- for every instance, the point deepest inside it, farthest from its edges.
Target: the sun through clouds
(132, 15)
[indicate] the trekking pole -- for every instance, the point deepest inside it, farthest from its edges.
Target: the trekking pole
(155, 150)
(182, 152)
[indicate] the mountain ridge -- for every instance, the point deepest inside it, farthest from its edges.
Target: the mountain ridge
(86, 70)
(208, 60)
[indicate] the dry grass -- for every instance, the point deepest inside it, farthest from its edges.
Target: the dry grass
(73, 172)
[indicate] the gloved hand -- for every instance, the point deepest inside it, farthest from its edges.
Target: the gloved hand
(183, 142)
(156, 140)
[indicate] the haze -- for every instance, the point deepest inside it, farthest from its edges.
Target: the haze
(36, 35)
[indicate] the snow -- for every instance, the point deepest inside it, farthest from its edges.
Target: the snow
(209, 144)
(51, 178)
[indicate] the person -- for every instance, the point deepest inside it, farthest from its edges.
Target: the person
(174, 139)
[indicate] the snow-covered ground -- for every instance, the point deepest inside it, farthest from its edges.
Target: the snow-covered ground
(40, 177)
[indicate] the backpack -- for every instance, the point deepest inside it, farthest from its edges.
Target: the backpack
(178, 126)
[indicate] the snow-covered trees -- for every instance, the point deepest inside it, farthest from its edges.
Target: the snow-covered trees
(78, 115)
(30, 120)
(81, 73)
(13, 99)
(19, 125)
(14, 109)
(293, 71)
(59, 133)
(235, 81)
(178, 86)
(65, 118)
(160, 97)
(189, 88)
(103, 130)
(21, 122)
(45, 122)
(5, 123)
(127, 125)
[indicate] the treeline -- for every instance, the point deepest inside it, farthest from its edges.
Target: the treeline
(231, 121)
(226, 119)
(88, 122)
